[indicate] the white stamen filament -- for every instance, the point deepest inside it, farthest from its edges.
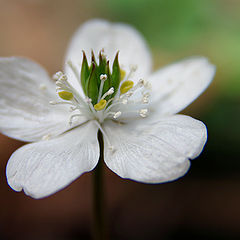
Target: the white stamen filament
(57, 75)
(103, 78)
(124, 98)
(113, 105)
(133, 69)
(63, 78)
(89, 102)
(117, 115)
(63, 84)
(109, 92)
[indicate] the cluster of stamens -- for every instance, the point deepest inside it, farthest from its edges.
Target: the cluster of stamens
(127, 100)
(112, 108)
(70, 96)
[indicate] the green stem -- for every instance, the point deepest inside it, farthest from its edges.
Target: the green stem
(98, 196)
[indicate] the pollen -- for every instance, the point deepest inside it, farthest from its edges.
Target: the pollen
(143, 112)
(65, 95)
(100, 105)
(126, 86)
(103, 77)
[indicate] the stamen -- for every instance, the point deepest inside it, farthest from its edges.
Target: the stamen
(65, 95)
(100, 105)
(103, 78)
(57, 75)
(69, 92)
(129, 94)
(88, 100)
(63, 78)
(117, 115)
(107, 106)
(143, 112)
(109, 92)
(126, 86)
(141, 82)
(147, 94)
(145, 83)
(113, 105)
(145, 98)
(133, 69)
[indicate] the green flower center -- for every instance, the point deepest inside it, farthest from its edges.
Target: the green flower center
(97, 79)
(108, 92)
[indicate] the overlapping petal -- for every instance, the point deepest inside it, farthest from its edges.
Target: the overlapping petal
(154, 151)
(43, 168)
(25, 92)
(177, 85)
(100, 34)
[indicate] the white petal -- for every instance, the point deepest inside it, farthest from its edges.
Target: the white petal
(25, 92)
(98, 34)
(177, 85)
(154, 152)
(43, 168)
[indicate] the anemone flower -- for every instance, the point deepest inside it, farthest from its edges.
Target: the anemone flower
(107, 85)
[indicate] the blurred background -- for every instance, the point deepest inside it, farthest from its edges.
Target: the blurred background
(202, 205)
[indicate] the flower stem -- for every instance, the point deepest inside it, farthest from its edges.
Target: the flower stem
(98, 196)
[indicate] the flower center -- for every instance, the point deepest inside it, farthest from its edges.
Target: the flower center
(109, 94)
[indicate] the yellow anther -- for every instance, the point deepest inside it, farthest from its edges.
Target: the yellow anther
(126, 86)
(122, 74)
(100, 105)
(65, 95)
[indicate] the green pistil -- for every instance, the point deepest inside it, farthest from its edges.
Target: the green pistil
(90, 76)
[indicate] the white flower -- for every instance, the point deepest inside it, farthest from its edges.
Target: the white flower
(144, 137)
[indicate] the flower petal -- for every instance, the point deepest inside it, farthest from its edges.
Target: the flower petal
(25, 92)
(99, 34)
(43, 168)
(177, 85)
(154, 152)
